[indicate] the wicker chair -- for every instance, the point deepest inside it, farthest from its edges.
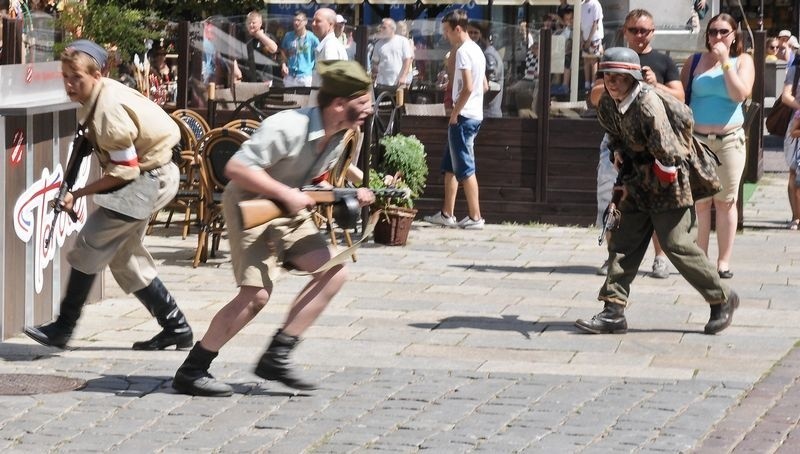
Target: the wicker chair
(196, 123)
(245, 125)
(337, 177)
(215, 148)
(188, 197)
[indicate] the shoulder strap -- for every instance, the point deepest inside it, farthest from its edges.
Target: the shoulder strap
(687, 96)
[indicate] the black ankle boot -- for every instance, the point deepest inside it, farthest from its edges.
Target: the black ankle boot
(722, 314)
(58, 333)
(193, 378)
(157, 299)
(274, 363)
(611, 320)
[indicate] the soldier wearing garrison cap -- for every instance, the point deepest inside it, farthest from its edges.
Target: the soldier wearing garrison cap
(133, 140)
(289, 150)
(650, 135)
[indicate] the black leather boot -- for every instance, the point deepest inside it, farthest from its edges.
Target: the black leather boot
(722, 314)
(193, 378)
(58, 333)
(274, 363)
(611, 320)
(157, 299)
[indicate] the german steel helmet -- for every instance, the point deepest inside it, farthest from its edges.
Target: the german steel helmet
(621, 60)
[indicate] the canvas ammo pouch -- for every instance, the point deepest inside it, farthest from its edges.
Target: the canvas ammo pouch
(136, 199)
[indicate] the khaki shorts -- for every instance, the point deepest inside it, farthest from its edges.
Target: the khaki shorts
(258, 254)
(732, 153)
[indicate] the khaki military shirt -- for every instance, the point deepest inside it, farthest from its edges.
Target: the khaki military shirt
(131, 134)
(286, 145)
(645, 131)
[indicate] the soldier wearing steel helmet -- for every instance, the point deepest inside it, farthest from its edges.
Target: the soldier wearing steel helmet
(651, 148)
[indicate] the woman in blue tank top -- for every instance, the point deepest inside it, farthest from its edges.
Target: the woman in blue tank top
(722, 78)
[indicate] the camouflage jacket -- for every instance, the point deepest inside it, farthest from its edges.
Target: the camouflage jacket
(647, 131)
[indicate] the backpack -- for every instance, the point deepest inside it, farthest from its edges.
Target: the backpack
(701, 163)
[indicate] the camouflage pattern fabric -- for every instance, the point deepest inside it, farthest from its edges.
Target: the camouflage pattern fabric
(655, 126)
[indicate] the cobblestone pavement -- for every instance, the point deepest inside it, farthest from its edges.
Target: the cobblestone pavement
(458, 342)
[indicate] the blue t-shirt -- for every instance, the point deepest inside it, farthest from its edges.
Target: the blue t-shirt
(711, 103)
(300, 53)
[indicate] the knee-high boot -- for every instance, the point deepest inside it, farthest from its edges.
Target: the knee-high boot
(58, 333)
(193, 378)
(274, 363)
(158, 301)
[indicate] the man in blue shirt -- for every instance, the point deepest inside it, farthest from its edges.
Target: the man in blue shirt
(297, 53)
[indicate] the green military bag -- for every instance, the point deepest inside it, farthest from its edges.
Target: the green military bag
(701, 163)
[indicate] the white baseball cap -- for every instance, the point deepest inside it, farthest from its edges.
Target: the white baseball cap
(340, 19)
(793, 42)
(784, 33)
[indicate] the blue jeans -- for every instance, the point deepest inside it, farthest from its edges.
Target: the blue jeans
(460, 156)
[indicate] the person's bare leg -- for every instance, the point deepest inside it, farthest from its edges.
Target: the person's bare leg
(794, 195)
(307, 306)
(234, 316)
(316, 295)
(657, 247)
(727, 217)
(471, 193)
(450, 192)
(703, 212)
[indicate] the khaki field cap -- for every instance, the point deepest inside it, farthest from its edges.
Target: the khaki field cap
(344, 78)
(621, 60)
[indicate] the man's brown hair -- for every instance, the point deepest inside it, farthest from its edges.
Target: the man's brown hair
(456, 18)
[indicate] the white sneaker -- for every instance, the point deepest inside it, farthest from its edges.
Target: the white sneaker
(660, 268)
(440, 219)
(471, 224)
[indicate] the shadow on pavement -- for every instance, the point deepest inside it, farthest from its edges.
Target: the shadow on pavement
(141, 385)
(505, 323)
(26, 352)
(565, 269)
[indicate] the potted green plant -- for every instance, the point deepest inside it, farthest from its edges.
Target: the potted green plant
(403, 166)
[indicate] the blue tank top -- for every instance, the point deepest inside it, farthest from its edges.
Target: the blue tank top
(711, 103)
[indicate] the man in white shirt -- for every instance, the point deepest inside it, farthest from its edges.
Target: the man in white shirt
(391, 59)
(591, 39)
(329, 48)
(458, 164)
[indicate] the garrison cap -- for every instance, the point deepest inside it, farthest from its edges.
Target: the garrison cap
(343, 78)
(91, 49)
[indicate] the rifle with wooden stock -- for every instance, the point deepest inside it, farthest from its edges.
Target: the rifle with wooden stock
(81, 148)
(256, 212)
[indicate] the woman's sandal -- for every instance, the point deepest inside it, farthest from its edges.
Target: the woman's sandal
(794, 224)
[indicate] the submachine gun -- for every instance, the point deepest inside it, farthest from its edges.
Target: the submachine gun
(346, 208)
(81, 148)
(611, 216)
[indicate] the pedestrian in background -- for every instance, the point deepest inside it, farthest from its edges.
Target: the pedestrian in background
(721, 79)
(458, 164)
(659, 71)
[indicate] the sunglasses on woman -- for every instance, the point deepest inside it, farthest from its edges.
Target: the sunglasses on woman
(721, 32)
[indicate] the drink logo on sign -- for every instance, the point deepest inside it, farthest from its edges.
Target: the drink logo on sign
(33, 216)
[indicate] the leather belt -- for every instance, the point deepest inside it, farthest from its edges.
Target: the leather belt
(714, 136)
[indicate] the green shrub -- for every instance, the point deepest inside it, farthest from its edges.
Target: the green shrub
(404, 157)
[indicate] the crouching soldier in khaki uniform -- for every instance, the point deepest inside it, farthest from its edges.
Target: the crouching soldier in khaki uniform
(650, 134)
(289, 150)
(133, 140)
